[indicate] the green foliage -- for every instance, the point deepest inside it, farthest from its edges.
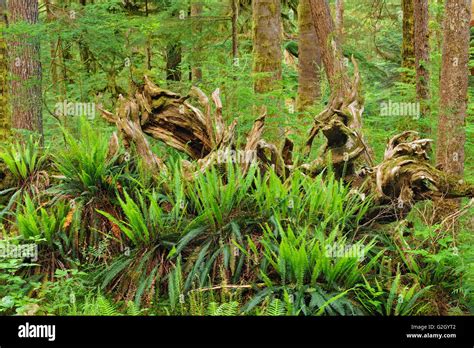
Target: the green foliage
(15, 288)
(35, 222)
(215, 198)
(24, 158)
(145, 221)
(306, 257)
(223, 310)
(101, 306)
(397, 299)
(87, 171)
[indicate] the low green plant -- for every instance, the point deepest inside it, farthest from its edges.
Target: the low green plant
(397, 299)
(16, 287)
(26, 159)
(308, 257)
(87, 171)
(36, 223)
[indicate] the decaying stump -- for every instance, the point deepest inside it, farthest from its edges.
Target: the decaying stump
(404, 177)
(341, 124)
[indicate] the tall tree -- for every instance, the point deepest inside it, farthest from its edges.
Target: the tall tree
(25, 69)
(408, 44)
(196, 12)
(340, 19)
(422, 54)
(331, 52)
(4, 114)
(309, 59)
(453, 92)
(267, 50)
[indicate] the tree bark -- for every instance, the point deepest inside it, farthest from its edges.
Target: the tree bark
(422, 54)
(453, 92)
(341, 121)
(309, 59)
(408, 44)
(25, 69)
(331, 53)
(340, 19)
(267, 44)
(4, 111)
(267, 57)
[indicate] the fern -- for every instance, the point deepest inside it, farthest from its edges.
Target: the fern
(99, 306)
(133, 309)
(276, 308)
(225, 309)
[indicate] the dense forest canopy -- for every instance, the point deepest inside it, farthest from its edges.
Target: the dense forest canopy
(236, 157)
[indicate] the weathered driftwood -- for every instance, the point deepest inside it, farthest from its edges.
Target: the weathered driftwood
(404, 177)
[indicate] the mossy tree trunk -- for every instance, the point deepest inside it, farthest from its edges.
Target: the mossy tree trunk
(453, 94)
(422, 54)
(340, 19)
(408, 44)
(4, 112)
(309, 59)
(196, 12)
(267, 50)
(25, 68)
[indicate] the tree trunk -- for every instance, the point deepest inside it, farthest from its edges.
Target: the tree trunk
(267, 44)
(331, 53)
(309, 59)
(340, 19)
(422, 54)
(196, 11)
(26, 69)
(4, 112)
(453, 93)
(408, 44)
(341, 121)
(267, 53)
